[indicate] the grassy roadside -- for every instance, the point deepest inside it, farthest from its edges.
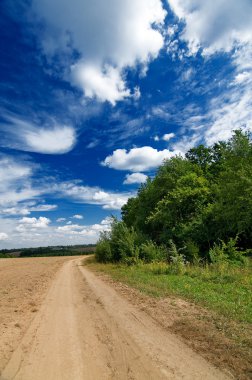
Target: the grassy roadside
(229, 293)
(216, 324)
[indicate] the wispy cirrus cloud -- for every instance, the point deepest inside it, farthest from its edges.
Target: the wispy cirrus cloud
(15, 185)
(25, 135)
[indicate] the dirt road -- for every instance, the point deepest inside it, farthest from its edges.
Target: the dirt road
(86, 330)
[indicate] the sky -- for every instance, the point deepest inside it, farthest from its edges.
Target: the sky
(94, 95)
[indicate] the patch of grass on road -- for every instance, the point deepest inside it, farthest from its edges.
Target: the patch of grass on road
(227, 292)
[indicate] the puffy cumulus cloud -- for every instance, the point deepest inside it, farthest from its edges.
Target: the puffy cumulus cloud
(87, 230)
(105, 85)
(135, 178)
(50, 141)
(3, 236)
(109, 36)
(137, 159)
(91, 195)
(24, 235)
(217, 26)
(40, 222)
(70, 227)
(77, 216)
(168, 136)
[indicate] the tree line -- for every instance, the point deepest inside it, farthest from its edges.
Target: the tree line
(196, 208)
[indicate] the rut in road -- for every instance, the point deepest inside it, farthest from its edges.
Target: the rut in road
(86, 331)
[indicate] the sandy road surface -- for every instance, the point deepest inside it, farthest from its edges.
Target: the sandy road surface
(86, 330)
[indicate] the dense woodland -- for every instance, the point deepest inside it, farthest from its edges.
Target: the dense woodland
(197, 208)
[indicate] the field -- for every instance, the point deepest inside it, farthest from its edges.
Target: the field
(23, 285)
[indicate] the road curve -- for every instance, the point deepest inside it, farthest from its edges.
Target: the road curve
(86, 331)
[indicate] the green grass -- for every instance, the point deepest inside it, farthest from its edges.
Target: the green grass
(225, 290)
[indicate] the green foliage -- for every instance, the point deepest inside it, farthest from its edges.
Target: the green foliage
(151, 252)
(176, 259)
(201, 203)
(192, 253)
(226, 252)
(120, 244)
(103, 252)
(4, 256)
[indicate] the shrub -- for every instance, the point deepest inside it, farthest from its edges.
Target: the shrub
(103, 250)
(192, 252)
(151, 252)
(226, 252)
(176, 259)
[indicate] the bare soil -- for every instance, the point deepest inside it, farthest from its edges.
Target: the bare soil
(23, 285)
(87, 329)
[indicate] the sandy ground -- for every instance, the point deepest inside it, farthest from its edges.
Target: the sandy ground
(23, 285)
(85, 329)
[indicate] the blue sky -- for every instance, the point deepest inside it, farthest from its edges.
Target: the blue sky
(95, 95)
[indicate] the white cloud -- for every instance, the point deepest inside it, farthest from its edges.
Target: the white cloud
(217, 26)
(86, 230)
(92, 195)
(26, 208)
(50, 141)
(12, 171)
(135, 178)
(15, 184)
(138, 159)
(3, 236)
(28, 136)
(229, 113)
(61, 220)
(77, 216)
(243, 77)
(110, 36)
(70, 227)
(168, 136)
(105, 85)
(43, 207)
(40, 222)
(15, 211)
(24, 235)
(222, 26)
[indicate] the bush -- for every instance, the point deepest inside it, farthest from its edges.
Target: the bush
(176, 259)
(120, 244)
(226, 252)
(192, 252)
(151, 252)
(123, 241)
(103, 252)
